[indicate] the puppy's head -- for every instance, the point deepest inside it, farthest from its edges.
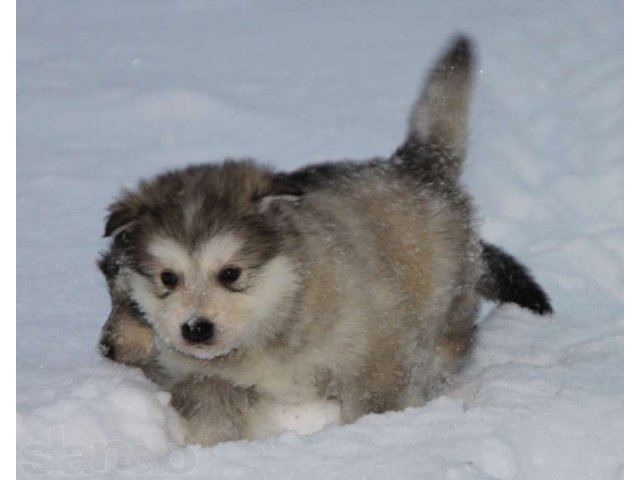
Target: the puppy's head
(209, 254)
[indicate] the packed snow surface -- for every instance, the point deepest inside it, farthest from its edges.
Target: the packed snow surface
(111, 91)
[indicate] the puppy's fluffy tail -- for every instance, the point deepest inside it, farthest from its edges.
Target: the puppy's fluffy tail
(438, 125)
(505, 280)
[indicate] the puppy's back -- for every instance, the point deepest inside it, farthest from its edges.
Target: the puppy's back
(392, 268)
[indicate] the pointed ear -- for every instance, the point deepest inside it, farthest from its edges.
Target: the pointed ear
(281, 192)
(119, 220)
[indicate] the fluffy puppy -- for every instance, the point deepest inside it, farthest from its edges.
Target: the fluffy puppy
(352, 286)
(128, 338)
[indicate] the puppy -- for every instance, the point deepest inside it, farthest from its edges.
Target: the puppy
(128, 338)
(353, 286)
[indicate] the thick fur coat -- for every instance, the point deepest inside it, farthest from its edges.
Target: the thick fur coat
(352, 287)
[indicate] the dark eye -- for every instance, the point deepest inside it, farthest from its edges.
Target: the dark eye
(169, 279)
(230, 274)
(121, 239)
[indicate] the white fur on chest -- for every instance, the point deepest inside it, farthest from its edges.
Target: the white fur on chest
(290, 381)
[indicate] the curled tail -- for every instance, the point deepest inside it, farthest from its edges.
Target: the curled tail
(505, 280)
(436, 144)
(434, 151)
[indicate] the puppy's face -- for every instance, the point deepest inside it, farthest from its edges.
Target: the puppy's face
(206, 247)
(212, 298)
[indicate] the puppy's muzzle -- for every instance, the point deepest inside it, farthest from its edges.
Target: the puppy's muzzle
(200, 330)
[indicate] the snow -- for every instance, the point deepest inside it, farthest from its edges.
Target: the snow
(111, 91)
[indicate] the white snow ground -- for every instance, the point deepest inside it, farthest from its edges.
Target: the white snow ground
(109, 91)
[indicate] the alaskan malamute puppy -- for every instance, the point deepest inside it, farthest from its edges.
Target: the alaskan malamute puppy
(349, 287)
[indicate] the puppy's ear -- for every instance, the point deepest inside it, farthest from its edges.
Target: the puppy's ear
(280, 193)
(120, 219)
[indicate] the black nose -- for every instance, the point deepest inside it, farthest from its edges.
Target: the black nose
(198, 331)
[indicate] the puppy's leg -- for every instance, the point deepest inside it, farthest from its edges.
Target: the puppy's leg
(270, 417)
(210, 411)
(453, 344)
